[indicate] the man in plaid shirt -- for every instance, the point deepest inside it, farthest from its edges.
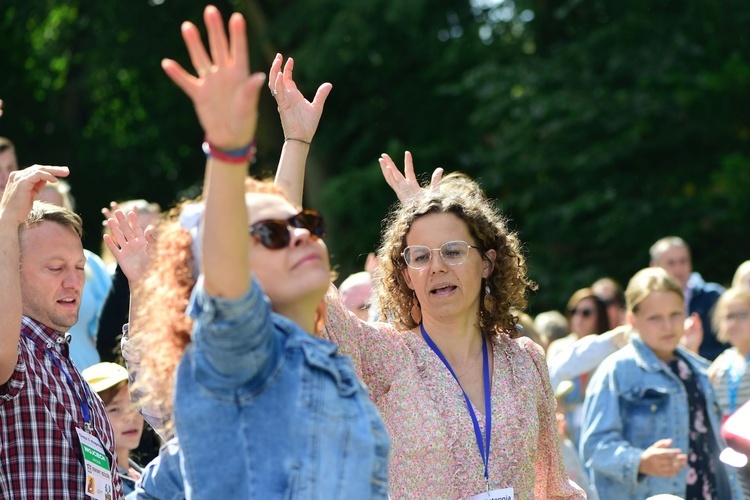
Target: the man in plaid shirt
(55, 438)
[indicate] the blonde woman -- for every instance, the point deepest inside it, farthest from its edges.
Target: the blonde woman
(730, 372)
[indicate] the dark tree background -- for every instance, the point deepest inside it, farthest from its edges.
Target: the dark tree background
(598, 127)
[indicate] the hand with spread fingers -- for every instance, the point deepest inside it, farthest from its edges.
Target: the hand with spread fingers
(129, 243)
(299, 117)
(405, 185)
(225, 94)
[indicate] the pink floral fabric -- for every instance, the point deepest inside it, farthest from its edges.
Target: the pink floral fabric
(434, 452)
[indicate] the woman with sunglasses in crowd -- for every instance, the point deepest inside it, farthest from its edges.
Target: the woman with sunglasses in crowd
(261, 408)
(587, 315)
(466, 400)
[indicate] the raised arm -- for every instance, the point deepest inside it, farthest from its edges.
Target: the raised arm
(299, 120)
(225, 96)
(22, 189)
(585, 354)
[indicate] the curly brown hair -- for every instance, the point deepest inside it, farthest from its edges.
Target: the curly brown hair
(163, 329)
(508, 282)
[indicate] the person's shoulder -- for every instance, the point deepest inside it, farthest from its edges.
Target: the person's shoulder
(627, 356)
(701, 286)
(526, 344)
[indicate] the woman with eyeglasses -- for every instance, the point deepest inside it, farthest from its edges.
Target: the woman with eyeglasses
(466, 400)
(261, 408)
(730, 371)
(587, 315)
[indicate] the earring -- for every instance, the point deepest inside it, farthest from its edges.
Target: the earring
(487, 300)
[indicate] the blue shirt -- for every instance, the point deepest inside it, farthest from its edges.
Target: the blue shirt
(264, 410)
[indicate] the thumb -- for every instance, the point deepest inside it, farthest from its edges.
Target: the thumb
(322, 94)
(663, 443)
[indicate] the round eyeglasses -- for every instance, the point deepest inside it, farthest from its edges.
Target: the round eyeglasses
(453, 253)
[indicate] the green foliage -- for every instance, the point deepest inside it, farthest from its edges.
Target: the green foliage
(628, 123)
(597, 126)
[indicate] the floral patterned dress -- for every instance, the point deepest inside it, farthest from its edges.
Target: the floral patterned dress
(701, 462)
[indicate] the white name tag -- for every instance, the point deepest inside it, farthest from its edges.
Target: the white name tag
(98, 475)
(503, 494)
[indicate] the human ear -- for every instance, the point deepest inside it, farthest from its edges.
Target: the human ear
(631, 318)
(407, 278)
(488, 263)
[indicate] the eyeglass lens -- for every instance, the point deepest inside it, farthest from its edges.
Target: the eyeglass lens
(452, 252)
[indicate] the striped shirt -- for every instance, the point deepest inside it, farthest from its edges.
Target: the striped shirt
(731, 380)
(40, 453)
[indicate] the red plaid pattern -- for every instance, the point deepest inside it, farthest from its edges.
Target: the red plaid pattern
(40, 454)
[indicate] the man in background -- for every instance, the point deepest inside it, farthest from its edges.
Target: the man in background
(673, 254)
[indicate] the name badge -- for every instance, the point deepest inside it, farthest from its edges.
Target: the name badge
(98, 475)
(503, 494)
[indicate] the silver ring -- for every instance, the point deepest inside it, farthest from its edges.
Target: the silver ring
(273, 93)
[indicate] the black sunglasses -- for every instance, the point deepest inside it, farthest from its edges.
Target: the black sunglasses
(274, 234)
(583, 312)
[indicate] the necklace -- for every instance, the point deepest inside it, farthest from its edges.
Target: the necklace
(472, 366)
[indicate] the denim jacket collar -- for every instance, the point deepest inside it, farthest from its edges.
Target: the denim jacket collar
(647, 359)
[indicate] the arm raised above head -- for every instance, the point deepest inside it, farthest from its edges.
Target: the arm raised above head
(225, 96)
(299, 120)
(22, 189)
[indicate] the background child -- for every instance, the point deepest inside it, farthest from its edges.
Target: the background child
(730, 372)
(650, 418)
(110, 381)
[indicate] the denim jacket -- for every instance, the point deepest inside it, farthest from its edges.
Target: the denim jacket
(632, 401)
(264, 410)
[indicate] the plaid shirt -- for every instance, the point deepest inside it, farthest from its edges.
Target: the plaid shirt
(40, 454)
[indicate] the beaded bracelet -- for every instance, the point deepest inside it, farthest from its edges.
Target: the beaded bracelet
(237, 156)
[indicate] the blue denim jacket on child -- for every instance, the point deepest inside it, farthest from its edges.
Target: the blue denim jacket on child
(632, 401)
(264, 410)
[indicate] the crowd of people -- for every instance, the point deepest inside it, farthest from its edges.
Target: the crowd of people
(216, 327)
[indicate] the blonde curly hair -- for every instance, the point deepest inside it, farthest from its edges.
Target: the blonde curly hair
(508, 282)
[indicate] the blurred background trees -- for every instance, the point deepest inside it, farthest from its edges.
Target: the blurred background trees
(597, 127)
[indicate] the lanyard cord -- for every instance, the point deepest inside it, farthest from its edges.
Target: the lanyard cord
(484, 445)
(82, 401)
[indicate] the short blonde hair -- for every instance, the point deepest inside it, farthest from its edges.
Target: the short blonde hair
(664, 244)
(647, 281)
(742, 271)
(721, 307)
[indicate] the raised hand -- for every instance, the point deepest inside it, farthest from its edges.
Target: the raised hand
(299, 117)
(693, 336)
(224, 94)
(130, 244)
(24, 187)
(405, 185)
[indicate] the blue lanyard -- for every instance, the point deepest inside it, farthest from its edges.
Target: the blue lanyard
(734, 375)
(484, 446)
(84, 404)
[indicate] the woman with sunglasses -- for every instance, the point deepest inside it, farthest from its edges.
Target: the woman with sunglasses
(466, 400)
(587, 315)
(261, 408)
